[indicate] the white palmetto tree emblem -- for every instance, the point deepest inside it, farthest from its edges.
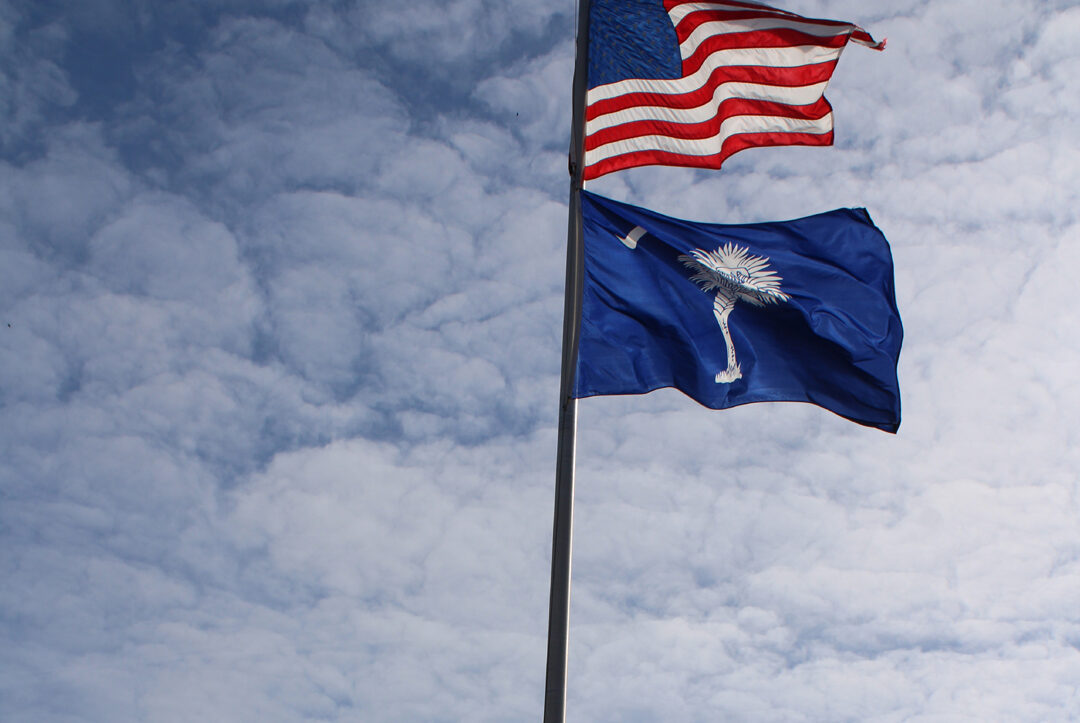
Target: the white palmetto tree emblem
(735, 275)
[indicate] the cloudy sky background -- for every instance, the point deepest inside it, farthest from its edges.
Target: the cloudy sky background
(280, 314)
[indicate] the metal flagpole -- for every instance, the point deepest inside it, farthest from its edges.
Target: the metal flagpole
(562, 533)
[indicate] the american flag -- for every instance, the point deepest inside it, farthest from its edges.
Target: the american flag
(691, 83)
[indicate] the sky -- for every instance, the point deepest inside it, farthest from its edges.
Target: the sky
(281, 290)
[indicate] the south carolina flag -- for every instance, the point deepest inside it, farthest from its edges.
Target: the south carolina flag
(800, 311)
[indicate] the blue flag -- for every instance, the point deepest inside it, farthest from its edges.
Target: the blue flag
(797, 311)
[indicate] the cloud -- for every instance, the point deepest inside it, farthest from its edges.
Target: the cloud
(277, 397)
(32, 83)
(461, 31)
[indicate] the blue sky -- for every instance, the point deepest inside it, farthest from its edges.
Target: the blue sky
(280, 315)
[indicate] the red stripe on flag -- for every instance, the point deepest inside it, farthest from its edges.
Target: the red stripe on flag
(863, 37)
(695, 19)
(731, 146)
(706, 129)
(757, 39)
(781, 77)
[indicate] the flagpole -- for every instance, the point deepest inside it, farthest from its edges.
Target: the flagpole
(562, 528)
